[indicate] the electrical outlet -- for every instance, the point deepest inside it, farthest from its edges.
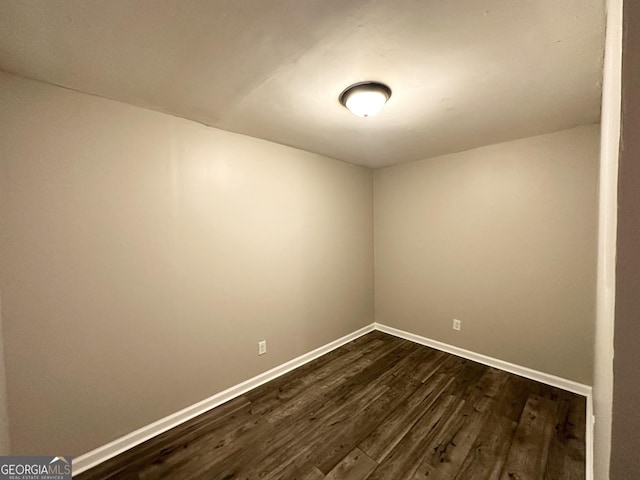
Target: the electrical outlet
(457, 324)
(262, 347)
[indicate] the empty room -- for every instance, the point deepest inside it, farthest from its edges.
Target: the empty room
(319, 239)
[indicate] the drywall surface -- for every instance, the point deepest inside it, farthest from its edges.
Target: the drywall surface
(625, 461)
(5, 442)
(501, 237)
(144, 256)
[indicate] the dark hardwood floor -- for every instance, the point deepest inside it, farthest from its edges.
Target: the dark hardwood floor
(377, 408)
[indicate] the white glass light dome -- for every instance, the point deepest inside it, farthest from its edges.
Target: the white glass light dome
(365, 99)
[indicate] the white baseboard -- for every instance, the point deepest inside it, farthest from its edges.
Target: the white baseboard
(552, 380)
(122, 444)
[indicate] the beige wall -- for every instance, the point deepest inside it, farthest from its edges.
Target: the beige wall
(501, 237)
(144, 256)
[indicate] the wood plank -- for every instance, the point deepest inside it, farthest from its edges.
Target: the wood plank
(379, 443)
(270, 399)
(488, 454)
(406, 457)
(270, 453)
(451, 446)
(355, 466)
(437, 361)
(527, 457)
(490, 385)
(325, 446)
(297, 377)
(465, 374)
(274, 394)
(338, 383)
(296, 470)
(567, 449)
(512, 399)
(360, 341)
(339, 441)
(344, 438)
(377, 372)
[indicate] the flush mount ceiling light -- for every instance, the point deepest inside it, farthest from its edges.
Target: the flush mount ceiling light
(365, 99)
